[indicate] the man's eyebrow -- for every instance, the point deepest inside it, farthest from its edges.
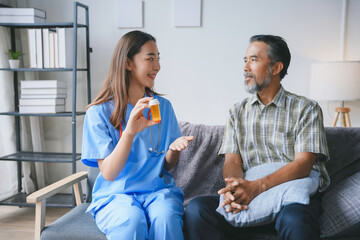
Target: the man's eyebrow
(251, 56)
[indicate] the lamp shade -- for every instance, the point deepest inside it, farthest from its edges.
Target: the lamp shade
(337, 81)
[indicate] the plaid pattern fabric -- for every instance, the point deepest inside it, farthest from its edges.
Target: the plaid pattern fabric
(275, 133)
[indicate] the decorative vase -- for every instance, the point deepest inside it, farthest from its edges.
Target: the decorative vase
(14, 63)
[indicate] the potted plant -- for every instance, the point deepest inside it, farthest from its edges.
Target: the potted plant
(14, 61)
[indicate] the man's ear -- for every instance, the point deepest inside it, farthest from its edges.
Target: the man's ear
(128, 64)
(276, 69)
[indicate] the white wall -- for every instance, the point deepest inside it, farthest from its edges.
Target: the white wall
(202, 67)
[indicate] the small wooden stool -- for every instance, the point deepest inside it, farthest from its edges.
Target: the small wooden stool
(345, 116)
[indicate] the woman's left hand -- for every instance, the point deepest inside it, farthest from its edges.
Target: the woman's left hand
(172, 155)
(181, 143)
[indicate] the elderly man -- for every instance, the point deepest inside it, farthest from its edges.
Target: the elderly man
(271, 126)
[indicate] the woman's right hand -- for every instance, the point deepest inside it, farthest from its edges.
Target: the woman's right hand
(137, 122)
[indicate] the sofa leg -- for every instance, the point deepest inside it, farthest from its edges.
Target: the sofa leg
(78, 193)
(40, 214)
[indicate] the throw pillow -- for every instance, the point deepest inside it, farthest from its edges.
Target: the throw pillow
(264, 208)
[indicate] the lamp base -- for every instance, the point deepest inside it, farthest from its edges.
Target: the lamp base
(345, 116)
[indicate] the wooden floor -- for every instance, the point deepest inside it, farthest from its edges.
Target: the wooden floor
(18, 223)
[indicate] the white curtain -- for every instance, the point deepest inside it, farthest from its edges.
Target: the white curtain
(32, 137)
(8, 170)
(33, 174)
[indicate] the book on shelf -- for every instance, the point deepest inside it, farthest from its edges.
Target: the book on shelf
(32, 47)
(46, 47)
(39, 48)
(21, 19)
(42, 96)
(52, 48)
(56, 48)
(63, 44)
(35, 40)
(42, 84)
(66, 48)
(40, 101)
(42, 109)
(23, 12)
(39, 91)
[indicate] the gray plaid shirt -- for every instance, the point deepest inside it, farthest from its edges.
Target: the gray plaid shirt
(290, 124)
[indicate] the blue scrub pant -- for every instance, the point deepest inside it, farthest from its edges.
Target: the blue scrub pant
(295, 222)
(150, 216)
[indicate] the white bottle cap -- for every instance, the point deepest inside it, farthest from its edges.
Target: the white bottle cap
(154, 102)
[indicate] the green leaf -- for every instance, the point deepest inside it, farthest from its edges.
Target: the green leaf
(15, 55)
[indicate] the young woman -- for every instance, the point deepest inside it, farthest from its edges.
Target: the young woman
(134, 196)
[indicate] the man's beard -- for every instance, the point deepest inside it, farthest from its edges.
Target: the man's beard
(257, 87)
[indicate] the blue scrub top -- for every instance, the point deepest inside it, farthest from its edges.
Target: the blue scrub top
(144, 170)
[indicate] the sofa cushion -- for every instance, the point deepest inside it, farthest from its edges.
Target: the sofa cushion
(265, 207)
(341, 208)
(199, 170)
(344, 148)
(75, 224)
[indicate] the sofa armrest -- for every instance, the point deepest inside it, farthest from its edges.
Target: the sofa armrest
(56, 187)
(39, 197)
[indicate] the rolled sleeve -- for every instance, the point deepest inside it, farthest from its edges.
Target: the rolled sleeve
(311, 135)
(230, 142)
(97, 142)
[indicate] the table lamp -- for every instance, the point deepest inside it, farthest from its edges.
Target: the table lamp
(336, 81)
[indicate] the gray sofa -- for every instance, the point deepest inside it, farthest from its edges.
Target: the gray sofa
(199, 172)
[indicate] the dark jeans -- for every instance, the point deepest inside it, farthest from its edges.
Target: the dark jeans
(295, 222)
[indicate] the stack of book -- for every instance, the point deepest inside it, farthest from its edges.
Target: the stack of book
(42, 96)
(22, 15)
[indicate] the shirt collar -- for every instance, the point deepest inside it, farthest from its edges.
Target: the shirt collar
(277, 101)
(255, 99)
